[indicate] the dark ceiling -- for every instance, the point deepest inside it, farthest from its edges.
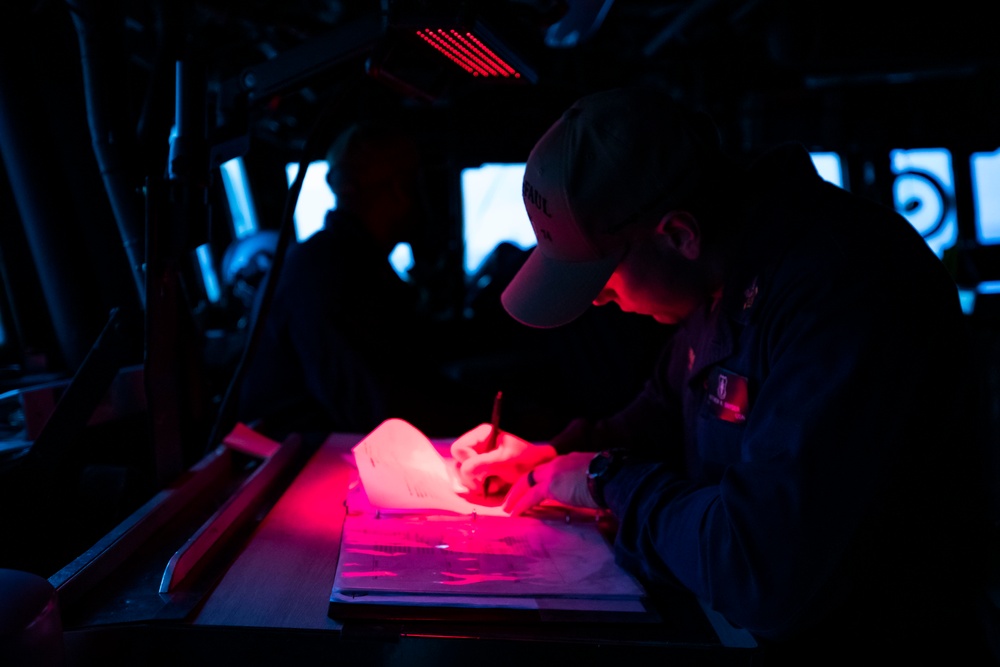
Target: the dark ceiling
(874, 71)
(826, 69)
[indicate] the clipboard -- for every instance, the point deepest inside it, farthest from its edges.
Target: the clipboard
(426, 566)
(425, 563)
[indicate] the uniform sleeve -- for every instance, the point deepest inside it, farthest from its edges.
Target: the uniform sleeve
(845, 390)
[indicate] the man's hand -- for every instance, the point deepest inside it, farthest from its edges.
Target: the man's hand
(563, 479)
(509, 461)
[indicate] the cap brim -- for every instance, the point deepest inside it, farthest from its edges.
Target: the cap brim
(549, 293)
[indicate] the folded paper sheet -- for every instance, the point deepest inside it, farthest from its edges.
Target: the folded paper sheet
(401, 470)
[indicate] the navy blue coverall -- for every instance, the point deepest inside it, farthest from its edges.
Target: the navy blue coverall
(800, 459)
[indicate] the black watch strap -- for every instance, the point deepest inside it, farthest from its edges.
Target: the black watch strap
(602, 468)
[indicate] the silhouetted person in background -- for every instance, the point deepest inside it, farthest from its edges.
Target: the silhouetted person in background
(346, 342)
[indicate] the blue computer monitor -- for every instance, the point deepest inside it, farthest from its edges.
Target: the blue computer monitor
(493, 212)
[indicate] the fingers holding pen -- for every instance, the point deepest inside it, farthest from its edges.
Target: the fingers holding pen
(473, 471)
(511, 458)
(472, 443)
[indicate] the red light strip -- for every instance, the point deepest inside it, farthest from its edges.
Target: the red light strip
(432, 40)
(463, 43)
(508, 70)
(468, 52)
(456, 45)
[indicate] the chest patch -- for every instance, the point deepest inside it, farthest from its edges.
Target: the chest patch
(727, 397)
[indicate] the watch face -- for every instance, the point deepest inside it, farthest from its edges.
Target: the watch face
(599, 464)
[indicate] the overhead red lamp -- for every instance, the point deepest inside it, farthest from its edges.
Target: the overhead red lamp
(458, 47)
(486, 46)
(469, 52)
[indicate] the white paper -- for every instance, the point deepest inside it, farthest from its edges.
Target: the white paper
(401, 470)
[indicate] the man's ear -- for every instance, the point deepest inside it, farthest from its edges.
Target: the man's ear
(681, 231)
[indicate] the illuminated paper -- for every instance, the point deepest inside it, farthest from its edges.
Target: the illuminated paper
(401, 470)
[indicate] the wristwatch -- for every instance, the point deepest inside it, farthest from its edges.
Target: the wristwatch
(602, 468)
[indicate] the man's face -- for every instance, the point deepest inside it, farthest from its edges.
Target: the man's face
(656, 279)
